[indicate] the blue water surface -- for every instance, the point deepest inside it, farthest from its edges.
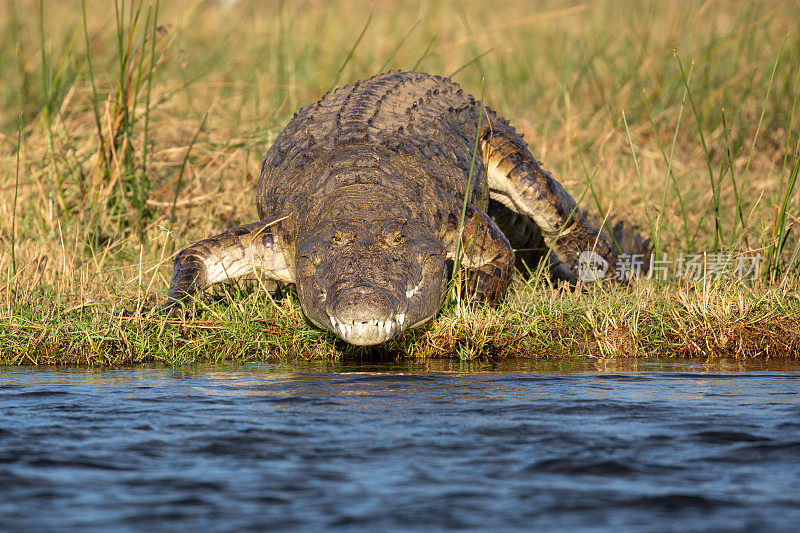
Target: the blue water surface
(553, 447)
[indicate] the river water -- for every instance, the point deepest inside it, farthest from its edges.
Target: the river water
(552, 446)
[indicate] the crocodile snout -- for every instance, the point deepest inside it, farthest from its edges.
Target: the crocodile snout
(366, 315)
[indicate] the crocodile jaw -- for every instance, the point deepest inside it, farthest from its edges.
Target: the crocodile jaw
(369, 332)
(375, 324)
(365, 314)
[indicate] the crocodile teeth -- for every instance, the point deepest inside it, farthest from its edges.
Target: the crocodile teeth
(412, 292)
(370, 328)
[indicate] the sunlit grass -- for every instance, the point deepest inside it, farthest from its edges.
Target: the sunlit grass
(143, 125)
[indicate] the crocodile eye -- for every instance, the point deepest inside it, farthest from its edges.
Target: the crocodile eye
(337, 238)
(398, 238)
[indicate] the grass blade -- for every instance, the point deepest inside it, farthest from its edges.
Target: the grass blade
(424, 54)
(729, 158)
(399, 44)
(471, 61)
(714, 189)
(670, 176)
(590, 188)
(638, 175)
(16, 195)
(183, 168)
(350, 54)
(95, 110)
(467, 191)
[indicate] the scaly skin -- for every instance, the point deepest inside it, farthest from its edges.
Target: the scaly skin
(359, 202)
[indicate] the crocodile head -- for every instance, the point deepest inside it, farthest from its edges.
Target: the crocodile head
(368, 276)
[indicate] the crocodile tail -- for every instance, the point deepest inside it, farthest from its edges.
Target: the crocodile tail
(634, 249)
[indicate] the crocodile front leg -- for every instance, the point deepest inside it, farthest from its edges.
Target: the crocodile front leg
(517, 181)
(231, 254)
(485, 253)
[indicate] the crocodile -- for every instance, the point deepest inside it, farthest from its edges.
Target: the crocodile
(368, 194)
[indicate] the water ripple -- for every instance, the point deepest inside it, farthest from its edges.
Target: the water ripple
(271, 448)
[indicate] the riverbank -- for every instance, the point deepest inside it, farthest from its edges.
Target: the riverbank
(122, 143)
(713, 320)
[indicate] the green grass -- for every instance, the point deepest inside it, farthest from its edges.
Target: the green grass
(121, 143)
